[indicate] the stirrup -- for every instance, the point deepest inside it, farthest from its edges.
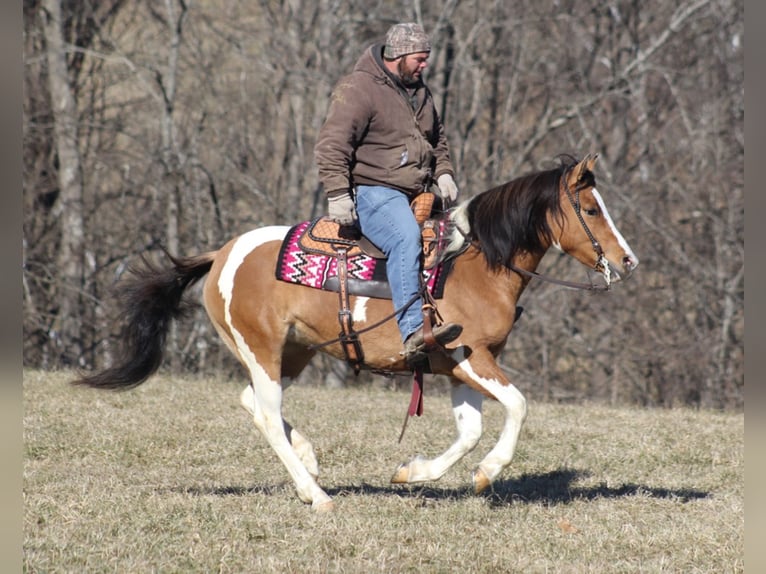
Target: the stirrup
(416, 345)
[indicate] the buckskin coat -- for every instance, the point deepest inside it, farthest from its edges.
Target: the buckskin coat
(375, 135)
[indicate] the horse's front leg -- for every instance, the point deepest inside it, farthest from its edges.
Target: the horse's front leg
(482, 372)
(466, 406)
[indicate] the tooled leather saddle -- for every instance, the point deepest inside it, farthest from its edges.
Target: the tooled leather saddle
(325, 255)
(327, 237)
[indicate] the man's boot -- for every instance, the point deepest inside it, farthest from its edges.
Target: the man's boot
(415, 347)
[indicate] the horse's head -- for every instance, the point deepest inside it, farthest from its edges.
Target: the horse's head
(558, 207)
(585, 230)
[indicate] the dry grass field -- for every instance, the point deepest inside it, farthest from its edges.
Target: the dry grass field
(173, 477)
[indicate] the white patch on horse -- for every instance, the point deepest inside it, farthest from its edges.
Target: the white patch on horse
(359, 313)
(243, 246)
(466, 407)
(462, 228)
(516, 411)
(613, 227)
(247, 399)
(508, 394)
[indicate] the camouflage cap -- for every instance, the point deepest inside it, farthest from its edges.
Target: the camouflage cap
(403, 39)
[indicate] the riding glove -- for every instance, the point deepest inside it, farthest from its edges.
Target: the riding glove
(447, 187)
(341, 207)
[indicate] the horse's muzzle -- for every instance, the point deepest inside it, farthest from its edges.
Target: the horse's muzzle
(625, 269)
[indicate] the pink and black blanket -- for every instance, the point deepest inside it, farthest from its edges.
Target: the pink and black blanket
(366, 275)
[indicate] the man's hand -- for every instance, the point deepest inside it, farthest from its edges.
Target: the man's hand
(341, 207)
(447, 187)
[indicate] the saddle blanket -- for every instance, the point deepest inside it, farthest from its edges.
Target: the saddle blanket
(366, 275)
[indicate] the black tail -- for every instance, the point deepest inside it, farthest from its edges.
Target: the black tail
(150, 300)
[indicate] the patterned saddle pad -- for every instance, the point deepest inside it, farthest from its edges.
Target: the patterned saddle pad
(366, 274)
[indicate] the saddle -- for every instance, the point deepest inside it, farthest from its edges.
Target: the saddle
(328, 238)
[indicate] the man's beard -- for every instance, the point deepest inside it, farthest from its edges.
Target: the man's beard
(407, 78)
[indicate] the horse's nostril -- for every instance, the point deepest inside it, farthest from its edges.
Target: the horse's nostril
(629, 262)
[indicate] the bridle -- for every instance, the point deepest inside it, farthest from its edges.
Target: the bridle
(602, 264)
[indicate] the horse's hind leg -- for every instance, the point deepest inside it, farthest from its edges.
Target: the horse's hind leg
(300, 444)
(303, 449)
(267, 416)
(466, 406)
(294, 360)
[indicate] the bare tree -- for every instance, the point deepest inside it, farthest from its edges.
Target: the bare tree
(69, 208)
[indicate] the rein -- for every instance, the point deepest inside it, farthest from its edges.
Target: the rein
(573, 284)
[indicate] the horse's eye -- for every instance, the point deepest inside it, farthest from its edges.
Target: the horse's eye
(593, 212)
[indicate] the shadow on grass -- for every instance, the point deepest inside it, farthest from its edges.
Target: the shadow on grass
(556, 487)
(550, 488)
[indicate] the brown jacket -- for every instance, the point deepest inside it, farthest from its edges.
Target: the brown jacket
(373, 135)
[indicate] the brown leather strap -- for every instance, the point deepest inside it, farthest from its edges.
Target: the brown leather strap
(431, 316)
(416, 400)
(572, 284)
(347, 337)
(428, 333)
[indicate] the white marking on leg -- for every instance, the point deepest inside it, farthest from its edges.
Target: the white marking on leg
(302, 447)
(247, 400)
(264, 397)
(466, 407)
(515, 412)
(267, 416)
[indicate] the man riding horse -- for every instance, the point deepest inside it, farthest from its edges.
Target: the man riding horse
(381, 145)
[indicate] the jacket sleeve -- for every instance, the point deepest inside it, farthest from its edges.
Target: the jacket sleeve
(343, 129)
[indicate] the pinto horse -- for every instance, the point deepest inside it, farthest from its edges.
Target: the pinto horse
(274, 328)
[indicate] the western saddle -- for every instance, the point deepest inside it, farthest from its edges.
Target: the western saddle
(327, 237)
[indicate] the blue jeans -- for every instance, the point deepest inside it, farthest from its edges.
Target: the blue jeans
(386, 219)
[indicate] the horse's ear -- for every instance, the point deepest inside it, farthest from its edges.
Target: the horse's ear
(577, 172)
(590, 161)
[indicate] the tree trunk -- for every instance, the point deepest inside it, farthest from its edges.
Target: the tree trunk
(66, 331)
